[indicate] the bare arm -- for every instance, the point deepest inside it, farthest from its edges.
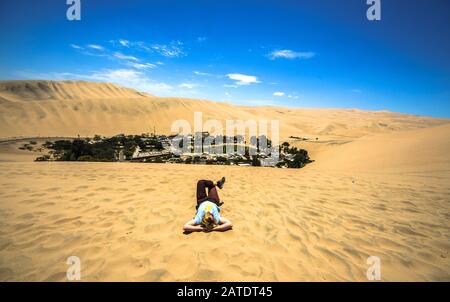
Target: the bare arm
(224, 225)
(190, 226)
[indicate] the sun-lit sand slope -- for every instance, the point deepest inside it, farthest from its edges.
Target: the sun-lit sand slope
(10, 152)
(319, 223)
(419, 151)
(124, 222)
(69, 108)
(379, 187)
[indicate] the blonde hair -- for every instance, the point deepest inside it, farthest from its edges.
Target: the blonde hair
(208, 220)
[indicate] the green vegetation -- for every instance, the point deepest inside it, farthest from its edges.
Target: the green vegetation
(151, 149)
(101, 148)
(292, 157)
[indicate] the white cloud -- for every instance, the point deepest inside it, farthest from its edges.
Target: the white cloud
(173, 50)
(290, 54)
(125, 43)
(201, 39)
(91, 50)
(95, 46)
(188, 85)
(130, 78)
(243, 79)
(141, 65)
(121, 56)
(230, 86)
(201, 73)
(356, 91)
(124, 77)
(278, 93)
(127, 60)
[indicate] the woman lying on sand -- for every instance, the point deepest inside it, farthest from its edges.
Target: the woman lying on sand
(207, 218)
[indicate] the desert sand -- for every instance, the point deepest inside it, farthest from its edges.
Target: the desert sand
(71, 108)
(379, 186)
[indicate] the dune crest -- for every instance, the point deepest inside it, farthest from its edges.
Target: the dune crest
(59, 90)
(69, 108)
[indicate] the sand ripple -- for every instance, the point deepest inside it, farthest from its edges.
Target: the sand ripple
(124, 222)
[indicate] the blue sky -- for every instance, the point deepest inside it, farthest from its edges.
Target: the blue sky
(304, 53)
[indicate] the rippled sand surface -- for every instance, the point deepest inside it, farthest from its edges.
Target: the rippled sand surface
(124, 222)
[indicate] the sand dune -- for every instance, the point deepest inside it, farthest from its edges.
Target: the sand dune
(68, 90)
(379, 187)
(10, 152)
(422, 150)
(31, 108)
(124, 222)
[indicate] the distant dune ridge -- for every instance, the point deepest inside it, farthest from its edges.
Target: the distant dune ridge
(69, 108)
(58, 90)
(379, 186)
